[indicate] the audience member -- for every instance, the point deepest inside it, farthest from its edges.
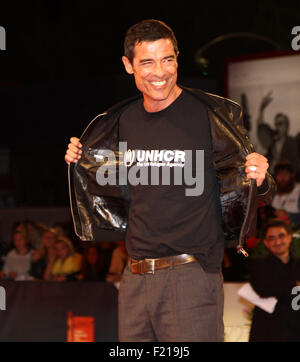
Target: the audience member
(288, 192)
(67, 263)
(33, 230)
(92, 265)
(44, 255)
(65, 229)
(106, 248)
(275, 276)
(61, 229)
(17, 262)
(118, 262)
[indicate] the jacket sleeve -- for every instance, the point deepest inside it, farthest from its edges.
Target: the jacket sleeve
(266, 191)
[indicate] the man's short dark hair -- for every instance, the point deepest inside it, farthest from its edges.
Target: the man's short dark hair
(283, 166)
(147, 30)
(275, 223)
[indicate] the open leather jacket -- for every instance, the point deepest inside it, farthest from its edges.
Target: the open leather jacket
(95, 207)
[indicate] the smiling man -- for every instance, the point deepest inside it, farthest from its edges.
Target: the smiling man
(171, 289)
(275, 276)
(154, 67)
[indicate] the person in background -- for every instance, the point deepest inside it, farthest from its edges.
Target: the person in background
(44, 255)
(92, 268)
(17, 261)
(106, 248)
(275, 276)
(279, 144)
(65, 229)
(33, 230)
(118, 262)
(67, 263)
(287, 197)
(61, 229)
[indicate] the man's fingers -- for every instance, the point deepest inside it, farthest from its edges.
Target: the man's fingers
(256, 166)
(72, 154)
(255, 175)
(75, 141)
(69, 159)
(256, 157)
(74, 148)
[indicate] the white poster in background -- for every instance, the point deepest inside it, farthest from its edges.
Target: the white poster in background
(276, 82)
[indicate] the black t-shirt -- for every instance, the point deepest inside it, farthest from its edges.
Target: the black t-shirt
(163, 220)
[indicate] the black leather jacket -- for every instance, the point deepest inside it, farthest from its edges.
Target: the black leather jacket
(95, 207)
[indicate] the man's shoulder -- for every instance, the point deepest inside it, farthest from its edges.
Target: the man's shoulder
(260, 263)
(132, 106)
(213, 100)
(124, 104)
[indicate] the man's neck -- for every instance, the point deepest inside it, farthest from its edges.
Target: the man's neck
(284, 258)
(157, 106)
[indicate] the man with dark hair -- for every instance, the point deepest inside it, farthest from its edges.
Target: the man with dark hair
(275, 276)
(287, 197)
(171, 289)
(147, 30)
(280, 146)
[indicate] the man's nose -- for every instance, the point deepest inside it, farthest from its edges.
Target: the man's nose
(278, 240)
(159, 70)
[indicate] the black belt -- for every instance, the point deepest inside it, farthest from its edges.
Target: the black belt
(148, 266)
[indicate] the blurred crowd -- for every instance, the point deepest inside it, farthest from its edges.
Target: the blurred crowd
(52, 253)
(285, 206)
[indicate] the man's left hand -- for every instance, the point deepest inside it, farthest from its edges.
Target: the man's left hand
(256, 167)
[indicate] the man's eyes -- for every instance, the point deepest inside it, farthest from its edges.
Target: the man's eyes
(168, 60)
(146, 63)
(164, 61)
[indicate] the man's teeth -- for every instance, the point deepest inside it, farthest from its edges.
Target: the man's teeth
(159, 83)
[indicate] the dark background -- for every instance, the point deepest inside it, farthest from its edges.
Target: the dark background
(62, 66)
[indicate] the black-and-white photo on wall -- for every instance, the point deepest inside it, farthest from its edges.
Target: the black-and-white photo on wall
(268, 88)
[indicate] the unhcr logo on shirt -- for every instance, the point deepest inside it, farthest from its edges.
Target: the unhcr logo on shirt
(118, 168)
(129, 157)
(2, 38)
(169, 158)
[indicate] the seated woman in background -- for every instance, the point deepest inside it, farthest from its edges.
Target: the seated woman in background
(92, 269)
(17, 261)
(44, 255)
(67, 263)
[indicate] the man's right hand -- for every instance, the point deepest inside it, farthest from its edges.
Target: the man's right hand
(74, 152)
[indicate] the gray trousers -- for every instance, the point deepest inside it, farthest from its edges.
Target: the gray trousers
(179, 304)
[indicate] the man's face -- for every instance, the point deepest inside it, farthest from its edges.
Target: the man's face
(154, 67)
(285, 181)
(278, 241)
(281, 125)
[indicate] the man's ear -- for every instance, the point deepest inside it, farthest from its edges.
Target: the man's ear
(127, 64)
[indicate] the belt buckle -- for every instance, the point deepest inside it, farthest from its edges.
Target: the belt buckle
(152, 261)
(152, 266)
